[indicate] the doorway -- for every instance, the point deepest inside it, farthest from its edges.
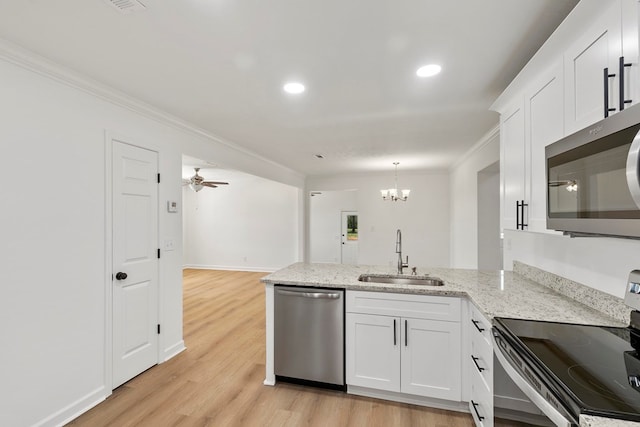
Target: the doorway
(326, 226)
(489, 239)
(349, 237)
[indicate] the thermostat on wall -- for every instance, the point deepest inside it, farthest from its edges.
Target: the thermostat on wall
(172, 207)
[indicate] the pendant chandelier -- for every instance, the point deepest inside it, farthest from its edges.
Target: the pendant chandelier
(392, 193)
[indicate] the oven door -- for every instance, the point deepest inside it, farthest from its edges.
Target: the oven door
(530, 383)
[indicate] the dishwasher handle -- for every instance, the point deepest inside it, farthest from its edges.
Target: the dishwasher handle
(315, 295)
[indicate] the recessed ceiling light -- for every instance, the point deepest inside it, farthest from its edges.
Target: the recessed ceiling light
(294, 88)
(428, 70)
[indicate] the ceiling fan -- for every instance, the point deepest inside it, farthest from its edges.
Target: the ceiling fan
(196, 182)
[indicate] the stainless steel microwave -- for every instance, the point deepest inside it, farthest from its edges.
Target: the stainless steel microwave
(593, 183)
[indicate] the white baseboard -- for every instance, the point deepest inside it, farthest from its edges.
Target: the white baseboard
(75, 409)
(174, 350)
(231, 268)
(409, 398)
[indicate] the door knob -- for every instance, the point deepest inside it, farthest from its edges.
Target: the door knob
(121, 276)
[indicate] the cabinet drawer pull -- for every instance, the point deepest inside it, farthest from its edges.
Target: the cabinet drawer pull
(607, 76)
(475, 362)
(475, 323)
(406, 328)
(394, 332)
(622, 66)
(520, 205)
(474, 404)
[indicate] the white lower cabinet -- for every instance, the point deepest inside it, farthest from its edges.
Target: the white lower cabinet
(480, 359)
(491, 391)
(430, 358)
(404, 343)
(373, 353)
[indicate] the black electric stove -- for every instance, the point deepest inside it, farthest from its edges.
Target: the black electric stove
(578, 369)
(570, 369)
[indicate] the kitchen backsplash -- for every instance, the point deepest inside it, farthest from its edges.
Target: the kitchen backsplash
(598, 300)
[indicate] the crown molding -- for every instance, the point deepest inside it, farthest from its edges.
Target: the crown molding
(17, 55)
(486, 139)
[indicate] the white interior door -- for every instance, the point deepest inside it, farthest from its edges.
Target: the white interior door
(135, 261)
(349, 237)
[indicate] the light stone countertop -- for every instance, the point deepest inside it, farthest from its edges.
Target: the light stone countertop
(494, 293)
(593, 421)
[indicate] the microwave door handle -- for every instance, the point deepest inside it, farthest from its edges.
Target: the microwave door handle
(633, 170)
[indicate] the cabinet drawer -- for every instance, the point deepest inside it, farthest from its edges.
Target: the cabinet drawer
(481, 360)
(481, 402)
(404, 305)
(480, 326)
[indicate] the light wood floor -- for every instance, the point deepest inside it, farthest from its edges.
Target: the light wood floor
(217, 381)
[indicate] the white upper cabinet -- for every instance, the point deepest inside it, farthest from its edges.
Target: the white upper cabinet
(544, 124)
(630, 50)
(588, 65)
(592, 69)
(526, 128)
(512, 168)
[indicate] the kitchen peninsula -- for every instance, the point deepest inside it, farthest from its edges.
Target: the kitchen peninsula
(477, 297)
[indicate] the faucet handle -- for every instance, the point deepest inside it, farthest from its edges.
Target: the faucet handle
(413, 271)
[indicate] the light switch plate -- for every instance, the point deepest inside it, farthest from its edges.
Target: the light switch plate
(172, 207)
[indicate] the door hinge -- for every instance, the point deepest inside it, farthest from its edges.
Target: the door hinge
(158, 329)
(158, 253)
(158, 178)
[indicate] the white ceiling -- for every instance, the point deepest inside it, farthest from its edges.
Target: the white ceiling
(221, 64)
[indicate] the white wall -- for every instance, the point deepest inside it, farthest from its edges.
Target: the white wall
(250, 225)
(464, 199)
(423, 219)
(53, 230)
(325, 224)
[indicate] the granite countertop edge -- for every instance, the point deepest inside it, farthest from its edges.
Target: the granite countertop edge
(493, 293)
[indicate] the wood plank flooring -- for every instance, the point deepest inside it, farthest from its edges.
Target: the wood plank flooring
(217, 381)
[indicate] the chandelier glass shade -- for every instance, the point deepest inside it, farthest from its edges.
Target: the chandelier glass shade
(393, 194)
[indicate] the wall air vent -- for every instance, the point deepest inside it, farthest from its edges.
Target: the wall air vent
(126, 6)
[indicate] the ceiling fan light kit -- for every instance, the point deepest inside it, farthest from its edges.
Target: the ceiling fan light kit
(197, 183)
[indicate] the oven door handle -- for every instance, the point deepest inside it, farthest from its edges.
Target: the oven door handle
(556, 417)
(633, 169)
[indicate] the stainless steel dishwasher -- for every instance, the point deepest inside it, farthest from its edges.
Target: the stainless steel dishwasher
(309, 336)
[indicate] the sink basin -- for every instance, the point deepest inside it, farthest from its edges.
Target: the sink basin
(401, 280)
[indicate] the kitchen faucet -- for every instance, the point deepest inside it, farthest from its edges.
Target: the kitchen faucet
(401, 264)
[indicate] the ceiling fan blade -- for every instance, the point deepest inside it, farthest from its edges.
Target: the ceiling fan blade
(208, 184)
(215, 182)
(186, 181)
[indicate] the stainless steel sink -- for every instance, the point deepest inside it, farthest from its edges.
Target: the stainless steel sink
(401, 280)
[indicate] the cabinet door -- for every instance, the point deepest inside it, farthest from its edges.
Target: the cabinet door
(513, 162)
(598, 48)
(431, 358)
(630, 39)
(373, 351)
(544, 124)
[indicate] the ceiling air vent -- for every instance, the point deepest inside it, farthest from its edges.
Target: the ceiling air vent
(126, 6)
